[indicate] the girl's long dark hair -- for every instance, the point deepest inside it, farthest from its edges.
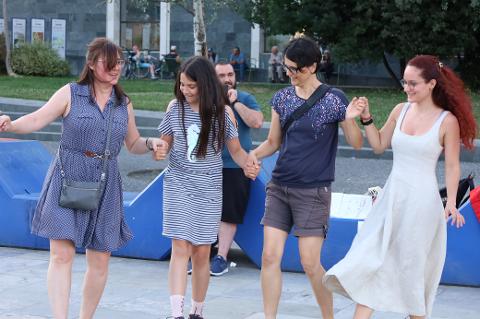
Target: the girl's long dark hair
(211, 102)
(449, 93)
(102, 48)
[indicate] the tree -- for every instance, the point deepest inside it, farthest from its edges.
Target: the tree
(369, 29)
(6, 33)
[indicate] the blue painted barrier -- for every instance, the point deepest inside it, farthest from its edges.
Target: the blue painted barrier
(144, 216)
(23, 166)
(461, 265)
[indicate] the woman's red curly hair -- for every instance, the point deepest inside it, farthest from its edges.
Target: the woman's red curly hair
(449, 93)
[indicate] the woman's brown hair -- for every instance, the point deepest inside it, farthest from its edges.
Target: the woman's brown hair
(104, 49)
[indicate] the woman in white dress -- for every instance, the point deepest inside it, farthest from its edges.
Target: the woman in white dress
(396, 260)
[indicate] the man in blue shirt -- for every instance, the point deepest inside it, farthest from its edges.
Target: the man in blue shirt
(236, 187)
(237, 60)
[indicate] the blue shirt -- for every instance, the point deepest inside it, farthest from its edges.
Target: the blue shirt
(243, 129)
(308, 151)
(238, 58)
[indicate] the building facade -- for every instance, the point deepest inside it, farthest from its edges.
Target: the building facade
(154, 27)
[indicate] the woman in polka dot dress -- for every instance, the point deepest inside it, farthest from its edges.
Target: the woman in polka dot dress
(85, 107)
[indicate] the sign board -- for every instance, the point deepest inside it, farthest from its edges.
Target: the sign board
(59, 36)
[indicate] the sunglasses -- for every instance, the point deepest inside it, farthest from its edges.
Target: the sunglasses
(292, 69)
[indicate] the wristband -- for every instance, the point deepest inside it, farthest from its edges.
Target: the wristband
(233, 103)
(367, 121)
(146, 144)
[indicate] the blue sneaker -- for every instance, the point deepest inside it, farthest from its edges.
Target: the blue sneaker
(218, 266)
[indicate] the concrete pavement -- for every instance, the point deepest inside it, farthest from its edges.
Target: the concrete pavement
(137, 289)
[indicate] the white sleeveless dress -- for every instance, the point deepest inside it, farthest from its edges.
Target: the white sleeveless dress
(396, 259)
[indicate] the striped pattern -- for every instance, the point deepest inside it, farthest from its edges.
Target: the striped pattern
(192, 192)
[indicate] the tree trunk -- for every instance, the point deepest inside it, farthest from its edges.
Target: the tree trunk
(390, 71)
(6, 33)
(199, 31)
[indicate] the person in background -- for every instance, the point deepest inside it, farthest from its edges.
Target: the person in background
(173, 60)
(326, 65)
(140, 59)
(212, 56)
(237, 60)
(236, 186)
(275, 69)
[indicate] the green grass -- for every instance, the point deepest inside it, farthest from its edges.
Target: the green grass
(155, 95)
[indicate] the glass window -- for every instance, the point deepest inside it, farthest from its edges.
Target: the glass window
(140, 24)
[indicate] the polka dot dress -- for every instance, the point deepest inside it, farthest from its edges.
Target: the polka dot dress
(85, 129)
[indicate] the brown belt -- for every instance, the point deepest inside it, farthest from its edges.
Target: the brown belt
(95, 155)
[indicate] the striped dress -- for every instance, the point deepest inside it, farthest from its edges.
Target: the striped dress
(192, 191)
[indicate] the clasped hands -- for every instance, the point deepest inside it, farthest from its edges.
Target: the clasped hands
(358, 107)
(160, 148)
(5, 123)
(251, 169)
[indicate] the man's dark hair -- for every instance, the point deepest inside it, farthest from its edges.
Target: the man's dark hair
(304, 52)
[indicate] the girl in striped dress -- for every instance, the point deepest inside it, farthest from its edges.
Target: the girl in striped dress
(197, 125)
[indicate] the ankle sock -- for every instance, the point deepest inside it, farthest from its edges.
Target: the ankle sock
(176, 304)
(197, 308)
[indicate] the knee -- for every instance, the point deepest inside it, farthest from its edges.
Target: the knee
(62, 256)
(311, 266)
(201, 255)
(271, 259)
(98, 264)
(181, 249)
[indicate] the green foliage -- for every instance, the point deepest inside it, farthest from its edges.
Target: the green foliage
(38, 59)
(365, 29)
(3, 54)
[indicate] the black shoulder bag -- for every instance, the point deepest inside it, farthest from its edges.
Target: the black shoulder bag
(298, 113)
(85, 195)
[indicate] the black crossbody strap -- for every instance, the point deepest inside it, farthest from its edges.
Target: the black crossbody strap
(298, 113)
(106, 153)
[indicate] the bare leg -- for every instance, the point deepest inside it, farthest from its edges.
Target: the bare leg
(271, 274)
(152, 71)
(59, 276)
(201, 272)
(177, 272)
(310, 249)
(362, 312)
(94, 282)
(417, 317)
(226, 234)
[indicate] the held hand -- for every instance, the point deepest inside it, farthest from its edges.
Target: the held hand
(356, 107)
(160, 149)
(457, 218)
(252, 166)
(5, 123)
(366, 111)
